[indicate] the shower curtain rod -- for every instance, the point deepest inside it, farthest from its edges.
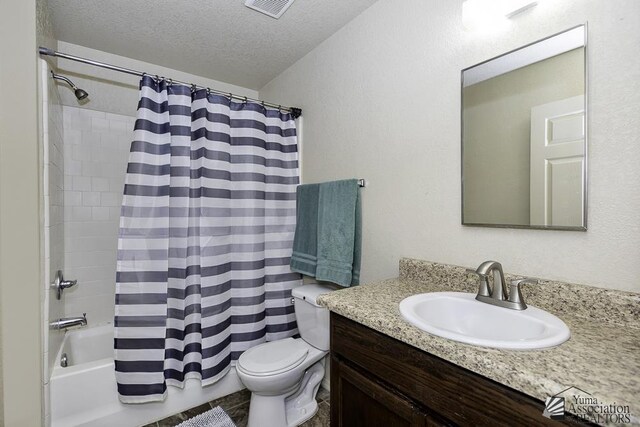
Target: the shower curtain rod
(295, 112)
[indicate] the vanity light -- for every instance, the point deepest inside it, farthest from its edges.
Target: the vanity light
(491, 15)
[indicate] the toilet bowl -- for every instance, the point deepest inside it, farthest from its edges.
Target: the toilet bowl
(284, 376)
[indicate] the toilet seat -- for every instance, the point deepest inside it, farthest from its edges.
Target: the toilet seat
(274, 357)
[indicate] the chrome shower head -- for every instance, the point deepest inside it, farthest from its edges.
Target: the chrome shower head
(79, 93)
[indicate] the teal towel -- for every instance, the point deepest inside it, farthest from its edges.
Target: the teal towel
(305, 247)
(339, 233)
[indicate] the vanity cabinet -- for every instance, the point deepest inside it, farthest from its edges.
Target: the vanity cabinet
(379, 381)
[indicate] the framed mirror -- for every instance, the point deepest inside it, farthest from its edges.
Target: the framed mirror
(524, 136)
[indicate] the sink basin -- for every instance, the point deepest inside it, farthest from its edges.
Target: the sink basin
(460, 317)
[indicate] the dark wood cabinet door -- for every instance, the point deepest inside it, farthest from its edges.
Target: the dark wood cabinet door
(360, 401)
(380, 381)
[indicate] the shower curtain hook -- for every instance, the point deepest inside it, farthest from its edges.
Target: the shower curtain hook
(245, 99)
(193, 87)
(169, 82)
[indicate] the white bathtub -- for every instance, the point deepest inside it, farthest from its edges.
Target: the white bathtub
(84, 393)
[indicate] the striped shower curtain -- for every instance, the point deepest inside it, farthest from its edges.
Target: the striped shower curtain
(206, 232)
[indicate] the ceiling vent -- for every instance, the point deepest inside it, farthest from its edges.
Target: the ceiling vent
(273, 8)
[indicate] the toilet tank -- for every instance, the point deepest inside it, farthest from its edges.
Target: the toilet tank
(313, 320)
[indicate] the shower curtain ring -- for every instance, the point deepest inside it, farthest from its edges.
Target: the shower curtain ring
(193, 88)
(169, 82)
(245, 99)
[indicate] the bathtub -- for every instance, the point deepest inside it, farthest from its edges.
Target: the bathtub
(84, 393)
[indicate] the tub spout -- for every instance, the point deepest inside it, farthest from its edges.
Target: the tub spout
(68, 322)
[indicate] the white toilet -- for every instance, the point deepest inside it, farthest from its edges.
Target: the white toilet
(284, 376)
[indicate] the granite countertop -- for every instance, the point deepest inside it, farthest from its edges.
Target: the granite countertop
(601, 358)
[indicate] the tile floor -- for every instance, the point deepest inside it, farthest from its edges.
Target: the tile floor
(236, 405)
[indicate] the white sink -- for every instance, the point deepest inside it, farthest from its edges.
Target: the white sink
(459, 317)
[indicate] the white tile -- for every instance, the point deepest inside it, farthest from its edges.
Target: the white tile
(100, 309)
(90, 198)
(114, 213)
(81, 153)
(83, 244)
(111, 199)
(90, 169)
(73, 198)
(47, 401)
(79, 213)
(45, 368)
(99, 124)
(119, 125)
(45, 179)
(86, 113)
(99, 184)
(73, 167)
(72, 137)
(46, 201)
(100, 214)
(81, 183)
(116, 184)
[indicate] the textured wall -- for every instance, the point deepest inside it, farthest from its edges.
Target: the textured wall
(381, 100)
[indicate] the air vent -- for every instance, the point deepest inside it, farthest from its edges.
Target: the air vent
(273, 8)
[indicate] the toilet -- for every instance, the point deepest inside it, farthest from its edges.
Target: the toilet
(284, 376)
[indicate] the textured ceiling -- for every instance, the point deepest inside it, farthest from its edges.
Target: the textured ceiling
(219, 39)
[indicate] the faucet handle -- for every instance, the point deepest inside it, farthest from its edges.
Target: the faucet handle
(515, 294)
(483, 290)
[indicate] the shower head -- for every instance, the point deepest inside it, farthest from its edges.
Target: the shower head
(80, 93)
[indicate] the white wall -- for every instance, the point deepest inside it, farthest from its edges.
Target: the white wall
(114, 92)
(381, 101)
(20, 217)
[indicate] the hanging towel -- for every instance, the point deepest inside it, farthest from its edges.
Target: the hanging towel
(339, 233)
(305, 246)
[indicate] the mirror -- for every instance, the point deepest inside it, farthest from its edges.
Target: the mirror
(524, 142)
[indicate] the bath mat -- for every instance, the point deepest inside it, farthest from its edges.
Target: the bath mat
(216, 417)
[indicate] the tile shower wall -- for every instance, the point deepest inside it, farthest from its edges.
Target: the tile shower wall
(96, 152)
(52, 235)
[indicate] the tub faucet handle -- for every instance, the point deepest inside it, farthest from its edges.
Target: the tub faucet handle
(59, 284)
(68, 283)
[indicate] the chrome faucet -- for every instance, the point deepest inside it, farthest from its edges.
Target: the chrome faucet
(69, 322)
(497, 294)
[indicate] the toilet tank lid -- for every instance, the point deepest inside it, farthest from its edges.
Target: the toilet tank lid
(310, 293)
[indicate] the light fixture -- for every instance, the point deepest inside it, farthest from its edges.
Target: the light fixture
(491, 15)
